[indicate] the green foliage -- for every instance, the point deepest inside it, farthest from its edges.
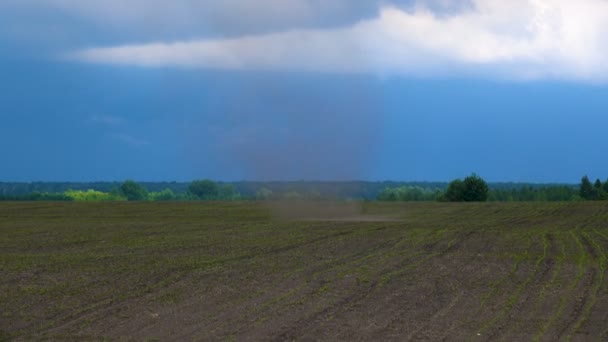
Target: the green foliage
(209, 190)
(204, 189)
(528, 193)
(133, 191)
(598, 191)
(408, 193)
(92, 196)
(472, 189)
(45, 196)
(597, 184)
(165, 195)
(586, 189)
(382, 191)
(227, 192)
(475, 189)
(601, 193)
(455, 192)
(595, 192)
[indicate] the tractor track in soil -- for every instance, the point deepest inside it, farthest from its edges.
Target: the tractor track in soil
(581, 293)
(524, 305)
(442, 271)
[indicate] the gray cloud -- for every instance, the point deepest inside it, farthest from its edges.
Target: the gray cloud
(42, 26)
(520, 39)
(184, 19)
(241, 16)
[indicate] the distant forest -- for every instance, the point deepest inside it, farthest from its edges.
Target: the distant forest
(246, 189)
(249, 190)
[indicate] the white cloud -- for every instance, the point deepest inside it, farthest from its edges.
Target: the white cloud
(515, 39)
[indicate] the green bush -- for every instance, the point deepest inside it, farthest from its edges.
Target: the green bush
(408, 193)
(472, 189)
(133, 191)
(93, 195)
(165, 195)
(204, 189)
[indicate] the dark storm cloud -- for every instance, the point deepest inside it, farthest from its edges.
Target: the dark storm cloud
(95, 22)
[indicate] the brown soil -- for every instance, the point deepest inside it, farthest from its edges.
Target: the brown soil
(407, 272)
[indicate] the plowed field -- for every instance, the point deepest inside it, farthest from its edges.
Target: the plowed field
(230, 271)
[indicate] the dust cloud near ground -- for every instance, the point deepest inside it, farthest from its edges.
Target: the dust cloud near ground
(322, 210)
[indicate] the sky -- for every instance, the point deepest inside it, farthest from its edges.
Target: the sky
(405, 90)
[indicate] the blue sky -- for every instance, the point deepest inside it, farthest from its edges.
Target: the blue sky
(303, 89)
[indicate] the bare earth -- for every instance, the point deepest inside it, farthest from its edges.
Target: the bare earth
(248, 271)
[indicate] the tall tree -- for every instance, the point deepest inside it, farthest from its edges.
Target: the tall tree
(475, 189)
(598, 189)
(133, 191)
(472, 189)
(586, 189)
(455, 192)
(204, 189)
(597, 184)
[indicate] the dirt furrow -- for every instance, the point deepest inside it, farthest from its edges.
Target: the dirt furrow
(492, 328)
(603, 303)
(315, 319)
(594, 312)
(471, 311)
(520, 321)
(397, 305)
(588, 277)
(262, 308)
(346, 306)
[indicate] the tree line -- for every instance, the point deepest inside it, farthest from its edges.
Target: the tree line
(365, 190)
(597, 191)
(471, 188)
(198, 190)
(476, 189)
(132, 191)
